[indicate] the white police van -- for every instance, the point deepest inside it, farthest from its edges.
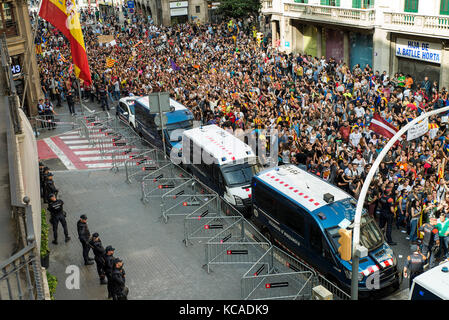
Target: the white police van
(432, 284)
(222, 161)
(302, 213)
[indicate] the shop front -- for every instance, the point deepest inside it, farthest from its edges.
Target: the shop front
(179, 12)
(419, 58)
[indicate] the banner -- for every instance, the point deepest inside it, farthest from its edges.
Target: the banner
(419, 50)
(418, 129)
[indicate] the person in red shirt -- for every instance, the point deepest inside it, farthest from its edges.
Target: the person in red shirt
(345, 131)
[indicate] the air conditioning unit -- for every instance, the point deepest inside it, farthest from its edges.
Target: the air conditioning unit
(329, 198)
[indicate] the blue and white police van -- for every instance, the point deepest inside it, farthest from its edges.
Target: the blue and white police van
(179, 118)
(222, 161)
(302, 213)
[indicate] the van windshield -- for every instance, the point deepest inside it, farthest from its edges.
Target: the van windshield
(239, 175)
(370, 234)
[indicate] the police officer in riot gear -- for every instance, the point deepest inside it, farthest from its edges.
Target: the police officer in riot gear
(102, 91)
(84, 236)
(44, 184)
(41, 178)
(50, 185)
(430, 242)
(386, 203)
(119, 290)
(108, 266)
(49, 114)
(57, 215)
(99, 252)
(414, 265)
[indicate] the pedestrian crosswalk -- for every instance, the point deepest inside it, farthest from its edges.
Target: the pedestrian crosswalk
(76, 153)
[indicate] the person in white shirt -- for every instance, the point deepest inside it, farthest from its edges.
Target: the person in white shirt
(359, 111)
(355, 137)
(359, 163)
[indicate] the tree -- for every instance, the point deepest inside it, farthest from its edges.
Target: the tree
(240, 9)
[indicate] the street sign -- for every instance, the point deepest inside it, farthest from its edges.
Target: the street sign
(157, 120)
(130, 10)
(163, 98)
(131, 4)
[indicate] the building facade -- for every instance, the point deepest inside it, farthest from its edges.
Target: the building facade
(408, 36)
(15, 24)
(168, 12)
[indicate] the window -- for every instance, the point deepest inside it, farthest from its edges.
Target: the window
(7, 20)
(301, 1)
(197, 9)
(444, 7)
(289, 215)
(265, 201)
(411, 5)
(363, 4)
(335, 3)
(316, 238)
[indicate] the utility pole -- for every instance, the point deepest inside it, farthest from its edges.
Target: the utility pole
(366, 184)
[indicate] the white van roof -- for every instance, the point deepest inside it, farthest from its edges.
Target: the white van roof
(223, 146)
(301, 186)
(436, 281)
(173, 103)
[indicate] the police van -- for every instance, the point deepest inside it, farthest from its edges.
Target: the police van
(302, 213)
(125, 110)
(432, 284)
(179, 118)
(222, 161)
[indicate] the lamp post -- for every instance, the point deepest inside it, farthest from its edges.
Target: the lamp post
(361, 200)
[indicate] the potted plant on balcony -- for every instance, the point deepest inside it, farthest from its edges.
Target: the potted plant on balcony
(45, 252)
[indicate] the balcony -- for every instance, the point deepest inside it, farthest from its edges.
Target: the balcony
(360, 18)
(417, 24)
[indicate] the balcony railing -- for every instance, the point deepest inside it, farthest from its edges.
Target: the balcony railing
(363, 18)
(417, 24)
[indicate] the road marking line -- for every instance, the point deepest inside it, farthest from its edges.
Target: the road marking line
(61, 155)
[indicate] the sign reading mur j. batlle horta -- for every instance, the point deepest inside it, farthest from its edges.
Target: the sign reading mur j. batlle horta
(419, 50)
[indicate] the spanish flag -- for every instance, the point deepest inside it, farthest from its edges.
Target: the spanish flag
(63, 15)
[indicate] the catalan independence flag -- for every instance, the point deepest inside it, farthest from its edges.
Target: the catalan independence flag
(62, 14)
(110, 62)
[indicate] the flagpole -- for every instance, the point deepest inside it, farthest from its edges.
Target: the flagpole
(27, 70)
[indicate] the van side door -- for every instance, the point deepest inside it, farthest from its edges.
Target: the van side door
(320, 253)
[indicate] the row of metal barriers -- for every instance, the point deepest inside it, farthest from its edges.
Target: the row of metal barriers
(229, 239)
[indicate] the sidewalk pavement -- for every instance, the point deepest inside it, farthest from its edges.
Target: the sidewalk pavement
(157, 264)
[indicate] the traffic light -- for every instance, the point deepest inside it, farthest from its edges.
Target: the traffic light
(345, 242)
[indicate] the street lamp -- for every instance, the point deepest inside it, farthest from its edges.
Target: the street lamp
(358, 211)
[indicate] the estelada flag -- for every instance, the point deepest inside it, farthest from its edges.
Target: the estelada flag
(110, 62)
(62, 14)
(381, 126)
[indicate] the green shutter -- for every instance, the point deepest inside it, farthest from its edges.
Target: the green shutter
(411, 5)
(444, 7)
(356, 4)
(324, 2)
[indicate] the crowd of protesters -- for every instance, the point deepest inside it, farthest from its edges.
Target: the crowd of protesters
(321, 108)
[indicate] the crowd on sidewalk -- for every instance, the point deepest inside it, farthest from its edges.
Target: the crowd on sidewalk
(321, 108)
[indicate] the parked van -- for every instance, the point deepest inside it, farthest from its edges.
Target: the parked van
(178, 119)
(222, 161)
(302, 213)
(432, 284)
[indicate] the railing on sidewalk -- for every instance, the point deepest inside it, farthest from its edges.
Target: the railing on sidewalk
(20, 274)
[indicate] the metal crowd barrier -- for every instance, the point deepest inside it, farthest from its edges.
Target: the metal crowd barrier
(137, 165)
(156, 183)
(239, 243)
(337, 293)
(277, 275)
(181, 200)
